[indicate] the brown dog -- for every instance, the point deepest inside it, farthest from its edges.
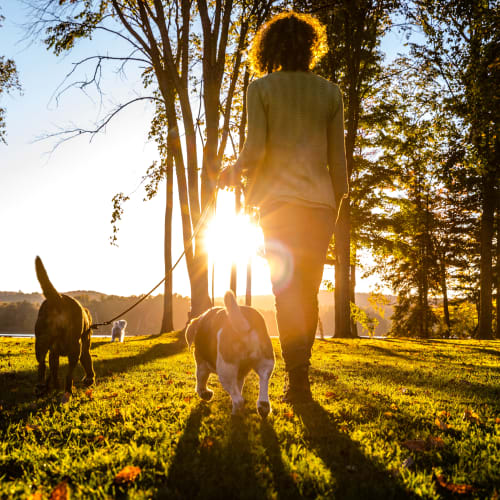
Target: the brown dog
(62, 329)
(231, 341)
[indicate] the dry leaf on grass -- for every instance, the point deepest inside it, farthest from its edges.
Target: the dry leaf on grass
(30, 427)
(394, 407)
(439, 423)
(88, 393)
(459, 489)
(110, 396)
(424, 444)
(127, 475)
(207, 443)
(331, 395)
(497, 420)
(35, 496)
(388, 414)
(60, 492)
(443, 414)
(471, 416)
(288, 414)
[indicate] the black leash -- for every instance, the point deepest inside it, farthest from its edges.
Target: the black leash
(171, 270)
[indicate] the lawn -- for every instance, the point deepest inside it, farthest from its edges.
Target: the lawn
(392, 419)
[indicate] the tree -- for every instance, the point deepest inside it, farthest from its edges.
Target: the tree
(188, 49)
(354, 60)
(461, 50)
(9, 81)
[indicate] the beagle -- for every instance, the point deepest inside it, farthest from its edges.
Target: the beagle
(231, 341)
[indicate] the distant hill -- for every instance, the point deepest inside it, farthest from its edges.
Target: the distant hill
(18, 311)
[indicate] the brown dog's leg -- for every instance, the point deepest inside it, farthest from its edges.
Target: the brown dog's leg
(41, 353)
(86, 361)
(72, 362)
(53, 380)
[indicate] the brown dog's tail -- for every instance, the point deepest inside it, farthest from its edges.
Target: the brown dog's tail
(236, 318)
(48, 289)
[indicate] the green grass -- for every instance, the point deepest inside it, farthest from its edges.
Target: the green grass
(377, 400)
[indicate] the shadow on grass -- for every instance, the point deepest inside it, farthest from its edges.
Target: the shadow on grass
(18, 395)
(209, 469)
(355, 475)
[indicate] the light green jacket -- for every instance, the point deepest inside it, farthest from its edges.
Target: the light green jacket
(294, 150)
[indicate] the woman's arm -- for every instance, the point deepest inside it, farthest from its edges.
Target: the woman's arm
(255, 145)
(336, 151)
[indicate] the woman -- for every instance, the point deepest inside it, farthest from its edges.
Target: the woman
(294, 162)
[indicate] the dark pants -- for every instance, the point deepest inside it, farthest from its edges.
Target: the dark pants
(296, 241)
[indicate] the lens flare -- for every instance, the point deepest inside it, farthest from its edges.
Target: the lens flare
(231, 237)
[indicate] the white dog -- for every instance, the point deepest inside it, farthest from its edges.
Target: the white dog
(231, 341)
(118, 331)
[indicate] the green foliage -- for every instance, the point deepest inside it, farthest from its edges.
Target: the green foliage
(391, 415)
(361, 317)
(9, 81)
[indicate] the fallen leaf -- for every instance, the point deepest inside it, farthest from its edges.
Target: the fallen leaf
(288, 414)
(387, 414)
(30, 427)
(330, 395)
(35, 496)
(110, 396)
(459, 489)
(435, 442)
(88, 393)
(98, 439)
(471, 416)
(415, 444)
(394, 407)
(497, 420)
(130, 389)
(207, 443)
(127, 475)
(60, 492)
(294, 476)
(443, 414)
(187, 399)
(439, 423)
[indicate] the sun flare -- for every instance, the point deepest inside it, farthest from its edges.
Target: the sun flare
(232, 237)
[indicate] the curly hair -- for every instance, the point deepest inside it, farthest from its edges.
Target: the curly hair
(290, 42)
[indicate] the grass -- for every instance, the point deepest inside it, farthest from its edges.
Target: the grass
(393, 419)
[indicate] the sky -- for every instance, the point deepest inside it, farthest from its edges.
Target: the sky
(58, 203)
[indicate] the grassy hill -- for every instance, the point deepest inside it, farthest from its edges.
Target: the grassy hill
(393, 419)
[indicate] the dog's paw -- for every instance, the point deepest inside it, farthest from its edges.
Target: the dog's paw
(88, 381)
(206, 395)
(264, 408)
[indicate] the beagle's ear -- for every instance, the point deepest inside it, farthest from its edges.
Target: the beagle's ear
(192, 330)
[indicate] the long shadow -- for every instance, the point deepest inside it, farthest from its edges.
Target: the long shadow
(484, 350)
(284, 484)
(18, 396)
(216, 470)
(466, 389)
(354, 475)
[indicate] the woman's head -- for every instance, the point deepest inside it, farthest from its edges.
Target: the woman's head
(290, 42)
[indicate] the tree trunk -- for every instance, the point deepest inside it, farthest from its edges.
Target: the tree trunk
(498, 264)
(352, 296)
(486, 267)
(342, 266)
(167, 323)
(444, 290)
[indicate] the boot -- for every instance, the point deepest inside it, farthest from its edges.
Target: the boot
(297, 387)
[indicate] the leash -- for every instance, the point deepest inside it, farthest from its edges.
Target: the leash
(201, 221)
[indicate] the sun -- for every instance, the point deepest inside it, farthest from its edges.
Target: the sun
(232, 237)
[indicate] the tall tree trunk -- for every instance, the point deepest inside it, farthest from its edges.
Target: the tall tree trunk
(498, 264)
(486, 268)
(342, 267)
(352, 295)
(167, 323)
(444, 291)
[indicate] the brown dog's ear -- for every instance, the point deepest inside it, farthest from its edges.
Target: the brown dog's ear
(191, 331)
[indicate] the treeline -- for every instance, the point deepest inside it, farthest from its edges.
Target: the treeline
(20, 316)
(422, 143)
